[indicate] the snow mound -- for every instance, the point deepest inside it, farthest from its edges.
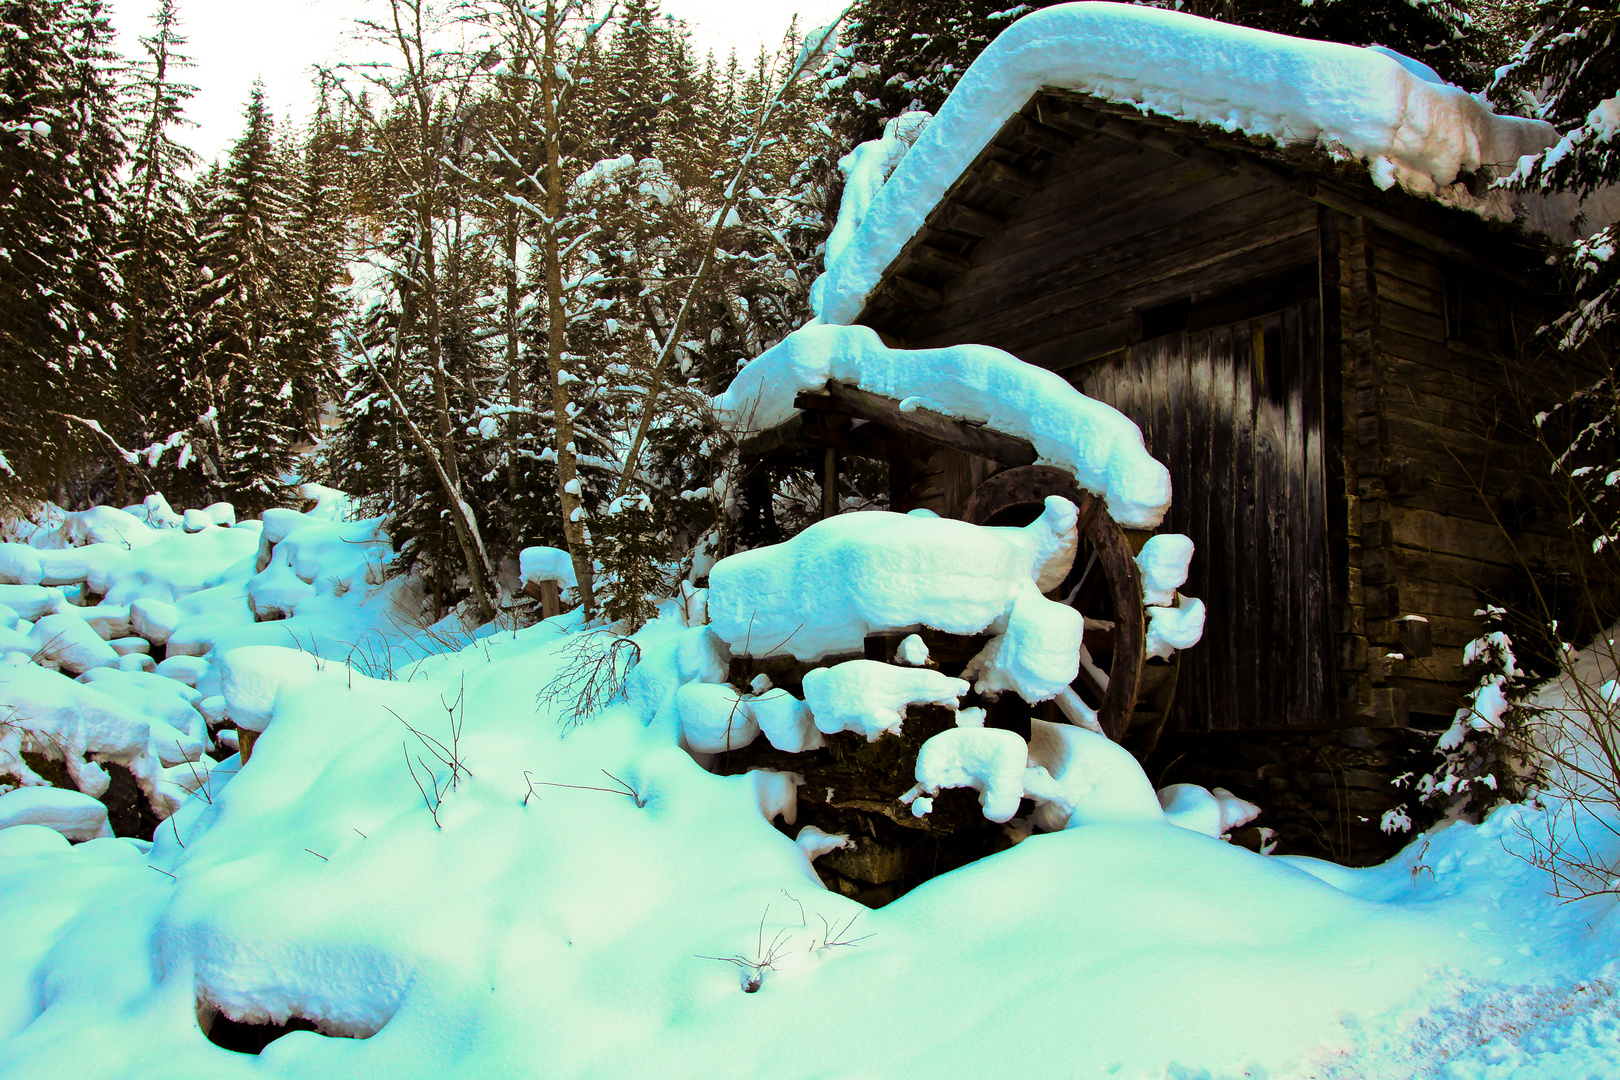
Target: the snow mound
(253, 677)
(1357, 104)
(1092, 779)
(1095, 442)
(872, 697)
(75, 815)
(1213, 813)
(820, 593)
(300, 557)
(541, 564)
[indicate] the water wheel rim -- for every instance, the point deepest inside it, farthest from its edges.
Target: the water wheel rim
(1029, 485)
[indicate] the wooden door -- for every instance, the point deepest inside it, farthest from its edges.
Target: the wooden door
(1235, 412)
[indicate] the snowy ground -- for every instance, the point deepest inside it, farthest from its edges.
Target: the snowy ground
(583, 931)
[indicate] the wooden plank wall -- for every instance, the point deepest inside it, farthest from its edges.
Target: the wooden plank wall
(1236, 414)
(1447, 488)
(1136, 274)
(1418, 397)
(1118, 229)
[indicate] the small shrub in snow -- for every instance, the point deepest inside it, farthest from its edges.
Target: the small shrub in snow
(1483, 749)
(630, 543)
(594, 671)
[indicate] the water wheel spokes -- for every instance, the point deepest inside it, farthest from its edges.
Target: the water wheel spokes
(1104, 585)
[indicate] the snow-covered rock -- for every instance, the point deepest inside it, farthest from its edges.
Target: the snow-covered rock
(713, 718)
(816, 843)
(785, 721)
(72, 643)
(75, 815)
(82, 726)
(30, 601)
(1213, 813)
(20, 565)
(990, 760)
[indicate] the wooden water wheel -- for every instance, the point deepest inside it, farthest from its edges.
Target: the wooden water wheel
(1105, 586)
(852, 787)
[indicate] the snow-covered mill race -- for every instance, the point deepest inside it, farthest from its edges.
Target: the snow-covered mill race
(1153, 719)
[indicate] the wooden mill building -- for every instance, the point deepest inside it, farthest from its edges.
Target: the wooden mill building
(1333, 373)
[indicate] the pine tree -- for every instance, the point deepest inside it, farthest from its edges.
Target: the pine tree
(1568, 72)
(318, 232)
(61, 147)
(160, 402)
(249, 302)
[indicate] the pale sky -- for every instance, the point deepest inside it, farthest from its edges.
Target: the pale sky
(235, 41)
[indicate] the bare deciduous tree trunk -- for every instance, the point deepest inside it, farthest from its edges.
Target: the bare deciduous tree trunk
(573, 509)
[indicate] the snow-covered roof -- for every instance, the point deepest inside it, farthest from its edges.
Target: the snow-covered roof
(1410, 128)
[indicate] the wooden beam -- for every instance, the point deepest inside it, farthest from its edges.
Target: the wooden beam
(1042, 137)
(935, 427)
(1008, 180)
(1167, 135)
(940, 262)
(866, 441)
(912, 294)
(767, 442)
(964, 219)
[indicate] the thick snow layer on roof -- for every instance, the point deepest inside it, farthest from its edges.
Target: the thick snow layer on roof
(1093, 441)
(1355, 103)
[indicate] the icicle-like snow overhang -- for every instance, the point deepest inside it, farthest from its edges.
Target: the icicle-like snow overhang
(1350, 102)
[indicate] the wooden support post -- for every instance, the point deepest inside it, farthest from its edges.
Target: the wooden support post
(940, 261)
(549, 593)
(829, 483)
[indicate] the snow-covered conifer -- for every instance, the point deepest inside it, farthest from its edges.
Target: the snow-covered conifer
(161, 402)
(62, 145)
(246, 370)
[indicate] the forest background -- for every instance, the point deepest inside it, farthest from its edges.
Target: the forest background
(489, 288)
